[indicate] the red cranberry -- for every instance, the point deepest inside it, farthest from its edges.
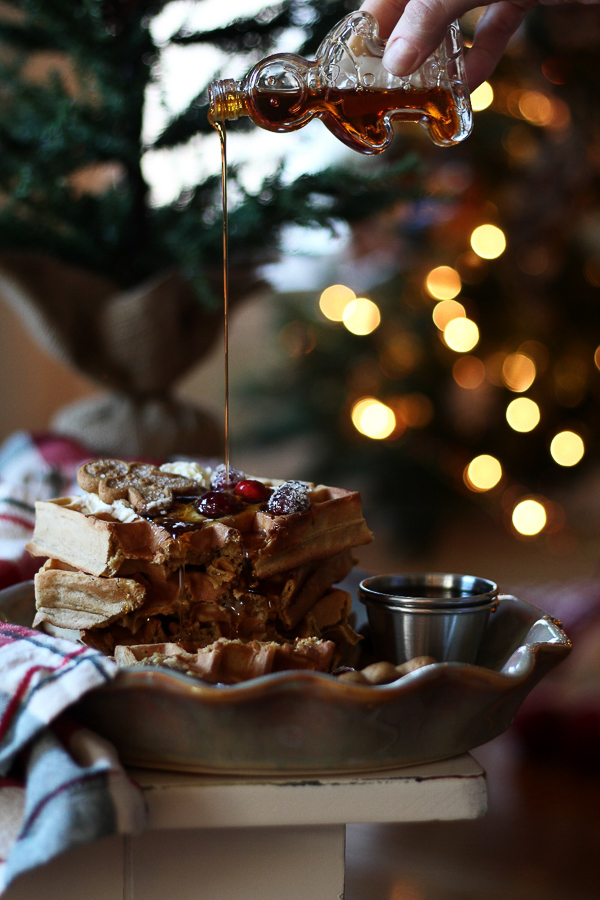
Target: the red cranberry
(252, 491)
(215, 504)
(289, 497)
(219, 480)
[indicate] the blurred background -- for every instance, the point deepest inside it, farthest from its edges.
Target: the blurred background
(422, 325)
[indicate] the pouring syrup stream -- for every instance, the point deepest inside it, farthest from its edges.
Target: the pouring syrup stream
(219, 126)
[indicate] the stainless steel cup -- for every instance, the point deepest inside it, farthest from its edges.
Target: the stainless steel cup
(427, 614)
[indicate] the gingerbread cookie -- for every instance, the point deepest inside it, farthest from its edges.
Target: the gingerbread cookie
(148, 489)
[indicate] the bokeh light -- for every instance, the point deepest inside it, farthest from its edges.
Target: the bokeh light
(333, 301)
(523, 414)
(533, 259)
(536, 108)
(493, 367)
(461, 335)
(415, 410)
(468, 372)
(554, 70)
(297, 338)
(538, 352)
(570, 376)
(591, 271)
(567, 448)
(443, 283)
(361, 316)
(400, 353)
(521, 144)
(518, 372)
(488, 241)
(447, 310)
(482, 96)
(529, 517)
(373, 418)
(483, 473)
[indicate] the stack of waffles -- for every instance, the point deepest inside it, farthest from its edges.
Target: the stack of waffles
(209, 571)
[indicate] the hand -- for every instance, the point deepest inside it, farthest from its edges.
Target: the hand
(415, 28)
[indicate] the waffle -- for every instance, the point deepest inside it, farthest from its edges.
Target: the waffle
(100, 545)
(229, 662)
(126, 569)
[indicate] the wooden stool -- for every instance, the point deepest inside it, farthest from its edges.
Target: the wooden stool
(219, 838)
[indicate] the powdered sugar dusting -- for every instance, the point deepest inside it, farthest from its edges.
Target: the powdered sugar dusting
(289, 497)
(219, 480)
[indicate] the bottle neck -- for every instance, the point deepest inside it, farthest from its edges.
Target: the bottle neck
(227, 100)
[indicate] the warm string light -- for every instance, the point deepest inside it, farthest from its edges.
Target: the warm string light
(378, 421)
(443, 283)
(567, 448)
(461, 335)
(334, 300)
(488, 241)
(517, 371)
(447, 310)
(482, 97)
(523, 414)
(529, 517)
(373, 418)
(483, 473)
(359, 315)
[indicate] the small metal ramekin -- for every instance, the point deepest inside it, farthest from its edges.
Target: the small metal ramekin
(428, 614)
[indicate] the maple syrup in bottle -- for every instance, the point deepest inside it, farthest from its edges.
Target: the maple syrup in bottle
(348, 88)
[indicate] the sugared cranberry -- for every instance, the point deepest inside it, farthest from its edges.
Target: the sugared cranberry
(289, 497)
(215, 504)
(252, 491)
(219, 480)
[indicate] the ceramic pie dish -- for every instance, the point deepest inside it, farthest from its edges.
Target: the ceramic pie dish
(304, 723)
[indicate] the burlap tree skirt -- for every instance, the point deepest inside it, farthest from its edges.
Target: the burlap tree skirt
(135, 344)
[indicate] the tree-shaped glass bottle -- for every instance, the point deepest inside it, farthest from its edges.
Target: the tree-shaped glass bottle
(348, 88)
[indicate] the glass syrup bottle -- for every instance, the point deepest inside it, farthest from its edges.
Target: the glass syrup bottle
(348, 88)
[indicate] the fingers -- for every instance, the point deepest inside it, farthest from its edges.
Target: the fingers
(419, 32)
(387, 13)
(416, 28)
(494, 30)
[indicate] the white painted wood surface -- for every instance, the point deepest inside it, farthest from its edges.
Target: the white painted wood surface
(451, 789)
(216, 838)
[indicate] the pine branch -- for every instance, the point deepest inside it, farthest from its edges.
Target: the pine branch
(244, 35)
(181, 128)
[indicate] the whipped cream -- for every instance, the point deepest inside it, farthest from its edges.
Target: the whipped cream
(120, 509)
(189, 470)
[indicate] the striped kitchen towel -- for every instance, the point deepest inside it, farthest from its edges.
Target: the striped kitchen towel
(60, 784)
